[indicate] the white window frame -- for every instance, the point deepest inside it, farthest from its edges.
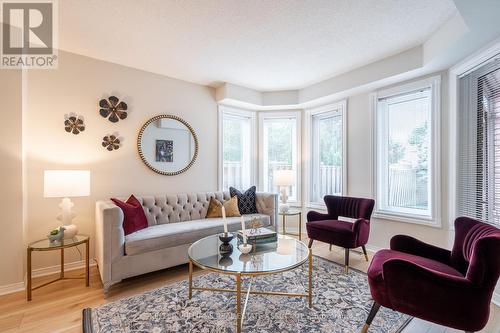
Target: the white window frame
(326, 110)
(263, 115)
(434, 220)
(231, 111)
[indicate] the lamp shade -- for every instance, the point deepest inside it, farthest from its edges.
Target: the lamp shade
(284, 178)
(66, 183)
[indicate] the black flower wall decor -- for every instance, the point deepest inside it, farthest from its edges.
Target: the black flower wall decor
(113, 109)
(74, 124)
(111, 142)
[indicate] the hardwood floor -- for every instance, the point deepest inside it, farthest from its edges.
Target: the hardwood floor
(58, 308)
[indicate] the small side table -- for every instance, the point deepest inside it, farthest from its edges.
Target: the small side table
(292, 212)
(46, 245)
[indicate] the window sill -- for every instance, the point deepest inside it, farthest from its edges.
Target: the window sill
(315, 205)
(294, 204)
(405, 218)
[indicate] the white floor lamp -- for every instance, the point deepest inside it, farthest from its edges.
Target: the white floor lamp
(65, 184)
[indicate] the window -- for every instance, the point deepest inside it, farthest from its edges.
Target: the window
(237, 139)
(326, 167)
(280, 150)
(406, 148)
(479, 144)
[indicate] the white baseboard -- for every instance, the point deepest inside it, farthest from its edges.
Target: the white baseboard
(496, 295)
(11, 288)
(369, 248)
(44, 271)
(496, 299)
(373, 248)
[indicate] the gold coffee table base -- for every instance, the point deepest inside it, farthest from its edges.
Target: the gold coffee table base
(239, 313)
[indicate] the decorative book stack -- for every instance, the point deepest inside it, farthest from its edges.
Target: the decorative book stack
(258, 236)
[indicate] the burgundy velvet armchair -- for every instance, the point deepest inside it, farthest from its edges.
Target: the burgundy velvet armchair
(450, 288)
(330, 229)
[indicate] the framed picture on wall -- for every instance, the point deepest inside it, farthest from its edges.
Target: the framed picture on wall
(164, 151)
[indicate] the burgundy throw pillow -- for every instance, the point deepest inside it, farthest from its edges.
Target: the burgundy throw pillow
(134, 217)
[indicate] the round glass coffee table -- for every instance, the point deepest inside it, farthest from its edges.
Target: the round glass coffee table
(284, 255)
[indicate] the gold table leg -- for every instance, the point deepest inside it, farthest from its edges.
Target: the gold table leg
(238, 303)
(283, 218)
(61, 275)
(310, 278)
(300, 226)
(87, 262)
(283, 225)
(190, 279)
(28, 288)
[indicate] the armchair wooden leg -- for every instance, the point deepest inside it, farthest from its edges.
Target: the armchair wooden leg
(371, 315)
(330, 247)
(346, 260)
(364, 251)
(311, 243)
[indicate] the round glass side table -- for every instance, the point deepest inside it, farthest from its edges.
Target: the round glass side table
(46, 245)
(291, 212)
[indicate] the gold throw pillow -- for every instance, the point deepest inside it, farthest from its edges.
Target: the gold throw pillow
(215, 208)
(231, 207)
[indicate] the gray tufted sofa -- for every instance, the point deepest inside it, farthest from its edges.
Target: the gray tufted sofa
(175, 222)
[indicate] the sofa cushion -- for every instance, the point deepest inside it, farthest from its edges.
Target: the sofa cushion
(246, 201)
(173, 208)
(173, 234)
(335, 232)
(134, 217)
(230, 206)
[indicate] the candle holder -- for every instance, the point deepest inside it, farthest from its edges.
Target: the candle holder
(225, 260)
(245, 248)
(226, 247)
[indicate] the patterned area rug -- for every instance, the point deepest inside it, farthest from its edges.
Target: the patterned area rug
(341, 303)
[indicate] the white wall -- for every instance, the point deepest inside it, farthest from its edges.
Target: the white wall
(11, 222)
(77, 86)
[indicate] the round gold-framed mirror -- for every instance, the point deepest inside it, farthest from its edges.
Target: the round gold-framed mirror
(167, 144)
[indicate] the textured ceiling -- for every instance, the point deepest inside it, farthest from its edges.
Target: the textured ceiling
(265, 45)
